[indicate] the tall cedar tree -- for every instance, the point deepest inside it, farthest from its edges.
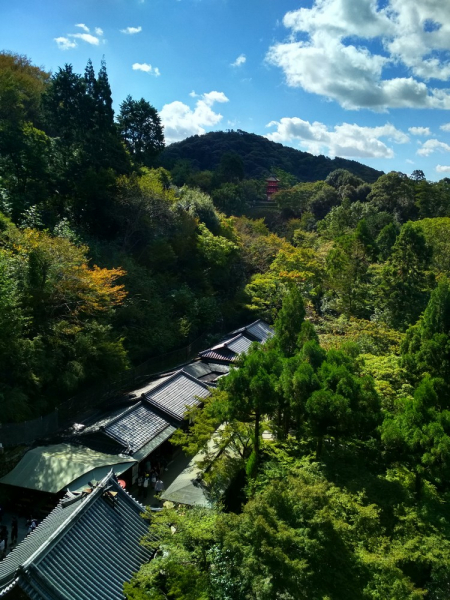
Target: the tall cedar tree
(141, 129)
(289, 322)
(405, 282)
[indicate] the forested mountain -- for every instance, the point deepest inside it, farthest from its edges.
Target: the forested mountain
(259, 156)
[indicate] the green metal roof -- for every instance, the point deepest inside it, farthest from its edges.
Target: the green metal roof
(53, 468)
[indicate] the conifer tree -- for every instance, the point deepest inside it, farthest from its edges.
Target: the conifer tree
(289, 322)
(405, 281)
(141, 129)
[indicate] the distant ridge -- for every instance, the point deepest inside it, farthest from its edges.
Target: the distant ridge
(259, 155)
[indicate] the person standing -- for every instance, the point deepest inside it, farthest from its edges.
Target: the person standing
(32, 525)
(140, 483)
(159, 486)
(4, 536)
(146, 484)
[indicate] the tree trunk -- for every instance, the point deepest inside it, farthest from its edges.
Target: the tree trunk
(319, 446)
(257, 433)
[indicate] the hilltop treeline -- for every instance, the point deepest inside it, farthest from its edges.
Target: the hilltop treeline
(259, 156)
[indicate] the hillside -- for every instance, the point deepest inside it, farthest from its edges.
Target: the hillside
(260, 156)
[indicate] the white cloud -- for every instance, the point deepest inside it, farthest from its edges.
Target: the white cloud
(181, 121)
(146, 68)
(64, 43)
(193, 94)
(86, 37)
(131, 30)
(445, 127)
(423, 131)
(241, 59)
(442, 169)
(83, 27)
(329, 53)
(344, 140)
(212, 97)
(431, 146)
(99, 31)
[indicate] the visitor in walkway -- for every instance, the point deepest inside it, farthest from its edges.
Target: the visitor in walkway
(145, 485)
(140, 483)
(159, 486)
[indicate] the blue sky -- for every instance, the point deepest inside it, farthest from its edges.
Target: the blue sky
(361, 79)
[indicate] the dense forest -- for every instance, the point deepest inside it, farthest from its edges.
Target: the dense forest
(113, 250)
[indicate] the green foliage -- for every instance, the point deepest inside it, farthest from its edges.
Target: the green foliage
(419, 434)
(141, 130)
(386, 240)
(56, 315)
(253, 390)
(289, 322)
(231, 168)
(310, 531)
(298, 197)
(405, 281)
(216, 250)
(342, 177)
(437, 235)
(394, 193)
(425, 349)
(200, 206)
(348, 276)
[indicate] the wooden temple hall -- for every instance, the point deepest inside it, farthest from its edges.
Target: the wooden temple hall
(89, 545)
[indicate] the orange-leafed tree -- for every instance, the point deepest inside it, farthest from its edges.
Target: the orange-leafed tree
(65, 309)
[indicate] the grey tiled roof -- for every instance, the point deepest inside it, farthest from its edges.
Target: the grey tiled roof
(206, 371)
(221, 353)
(240, 344)
(154, 442)
(229, 349)
(259, 331)
(136, 426)
(85, 551)
(31, 544)
(176, 393)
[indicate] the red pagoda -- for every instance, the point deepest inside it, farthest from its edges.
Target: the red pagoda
(272, 186)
